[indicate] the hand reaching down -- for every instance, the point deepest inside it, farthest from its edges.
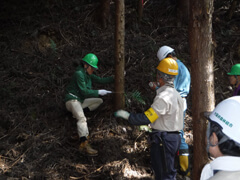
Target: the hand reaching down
(122, 114)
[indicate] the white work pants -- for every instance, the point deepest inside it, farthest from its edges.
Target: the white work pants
(76, 108)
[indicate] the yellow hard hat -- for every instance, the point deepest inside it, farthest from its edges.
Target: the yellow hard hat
(168, 66)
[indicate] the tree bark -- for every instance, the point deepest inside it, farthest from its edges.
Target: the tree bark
(201, 51)
(232, 8)
(183, 12)
(140, 9)
(119, 55)
(102, 13)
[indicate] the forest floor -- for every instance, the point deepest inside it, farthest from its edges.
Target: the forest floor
(42, 42)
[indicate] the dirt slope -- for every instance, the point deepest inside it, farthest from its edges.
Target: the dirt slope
(41, 44)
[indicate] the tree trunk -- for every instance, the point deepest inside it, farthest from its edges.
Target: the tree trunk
(119, 55)
(201, 50)
(232, 8)
(183, 12)
(140, 9)
(102, 13)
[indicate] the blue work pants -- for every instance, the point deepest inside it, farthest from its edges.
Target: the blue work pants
(163, 162)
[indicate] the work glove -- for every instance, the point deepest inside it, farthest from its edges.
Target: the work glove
(103, 92)
(145, 128)
(122, 114)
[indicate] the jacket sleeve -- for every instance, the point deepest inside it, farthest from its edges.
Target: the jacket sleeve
(138, 119)
(149, 116)
(104, 80)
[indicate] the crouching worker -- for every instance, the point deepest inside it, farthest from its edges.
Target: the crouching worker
(80, 97)
(166, 119)
(223, 141)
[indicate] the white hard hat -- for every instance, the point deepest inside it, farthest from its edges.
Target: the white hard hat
(163, 52)
(227, 115)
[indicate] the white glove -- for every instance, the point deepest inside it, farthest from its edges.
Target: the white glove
(145, 128)
(103, 92)
(122, 114)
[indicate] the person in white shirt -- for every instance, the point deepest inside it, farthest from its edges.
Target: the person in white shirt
(165, 117)
(223, 141)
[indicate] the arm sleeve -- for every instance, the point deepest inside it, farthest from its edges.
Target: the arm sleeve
(161, 105)
(149, 116)
(138, 119)
(104, 80)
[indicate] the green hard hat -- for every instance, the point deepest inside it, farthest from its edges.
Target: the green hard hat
(91, 59)
(235, 70)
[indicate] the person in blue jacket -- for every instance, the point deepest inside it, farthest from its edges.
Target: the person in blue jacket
(182, 85)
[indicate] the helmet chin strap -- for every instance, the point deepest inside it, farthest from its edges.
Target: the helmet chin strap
(208, 137)
(210, 144)
(236, 80)
(86, 66)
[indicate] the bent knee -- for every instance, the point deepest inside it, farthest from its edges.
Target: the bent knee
(100, 100)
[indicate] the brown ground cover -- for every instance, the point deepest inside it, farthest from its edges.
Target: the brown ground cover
(41, 43)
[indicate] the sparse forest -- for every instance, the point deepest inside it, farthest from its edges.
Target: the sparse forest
(42, 43)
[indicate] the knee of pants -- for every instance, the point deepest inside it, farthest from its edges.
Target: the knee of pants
(96, 104)
(75, 108)
(99, 101)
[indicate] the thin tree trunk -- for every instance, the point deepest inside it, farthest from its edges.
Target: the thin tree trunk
(105, 9)
(102, 12)
(183, 12)
(140, 9)
(201, 50)
(119, 55)
(232, 8)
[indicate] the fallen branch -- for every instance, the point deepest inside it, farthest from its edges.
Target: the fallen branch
(13, 164)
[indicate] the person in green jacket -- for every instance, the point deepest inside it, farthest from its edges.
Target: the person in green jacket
(80, 97)
(234, 79)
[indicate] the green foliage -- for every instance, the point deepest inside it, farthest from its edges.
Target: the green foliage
(134, 97)
(53, 45)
